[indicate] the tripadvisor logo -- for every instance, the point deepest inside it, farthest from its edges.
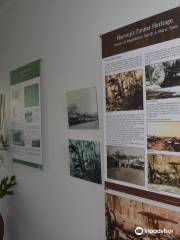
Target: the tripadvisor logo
(140, 231)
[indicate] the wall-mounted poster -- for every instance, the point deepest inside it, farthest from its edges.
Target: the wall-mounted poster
(26, 115)
(130, 219)
(82, 109)
(85, 160)
(141, 79)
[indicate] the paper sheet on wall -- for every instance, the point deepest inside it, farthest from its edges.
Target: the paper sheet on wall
(26, 115)
(141, 77)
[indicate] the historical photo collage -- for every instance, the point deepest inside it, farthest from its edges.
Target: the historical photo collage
(141, 77)
(147, 153)
(124, 93)
(163, 141)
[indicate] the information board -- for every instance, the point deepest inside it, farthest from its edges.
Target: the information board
(26, 115)
(141, 78)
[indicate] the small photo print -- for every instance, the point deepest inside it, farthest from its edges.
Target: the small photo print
(164, 173)
(85, 160)
(36, 142)
(31, 95)
(163, 80)
(18, 137)
(126, 164)
(28, 117)
(127, 219)
(17, 95)
(164, 136)
(17, 104)
(124, 91)
(83, 109)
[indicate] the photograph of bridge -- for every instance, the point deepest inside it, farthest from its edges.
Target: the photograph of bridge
(82, 109)
(163, 80)
(126, 164)
(124, 91)
(124, 215)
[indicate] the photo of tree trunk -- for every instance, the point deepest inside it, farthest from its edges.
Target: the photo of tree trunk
(85, 160)
(124, 91)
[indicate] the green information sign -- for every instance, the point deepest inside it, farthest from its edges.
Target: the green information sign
(26, 115)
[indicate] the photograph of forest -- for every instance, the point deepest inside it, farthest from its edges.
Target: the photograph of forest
(164, 173)
(85, 160)
(124, 215)
(124, 91)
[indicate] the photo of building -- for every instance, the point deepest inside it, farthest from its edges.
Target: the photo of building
(126, 164)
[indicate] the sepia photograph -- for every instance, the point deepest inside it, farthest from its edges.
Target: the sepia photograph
(163, 136)
(164, 173)
(125, 216)
(83, 109)
(163, 80)
(126, 164)
(85, 160)
(124, 91)
(18, 137)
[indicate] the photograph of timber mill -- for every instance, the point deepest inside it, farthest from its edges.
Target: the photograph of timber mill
(164, 136)
(164, 173)
(124, 91)
(123, 215)
(83, 109)
(163, 80)
(126, 164)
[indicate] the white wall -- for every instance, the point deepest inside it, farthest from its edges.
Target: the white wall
(51, 205)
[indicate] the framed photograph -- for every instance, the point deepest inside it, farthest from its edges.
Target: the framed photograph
(163, 80)
(83, 109)
(126, 164)
(85, 160)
